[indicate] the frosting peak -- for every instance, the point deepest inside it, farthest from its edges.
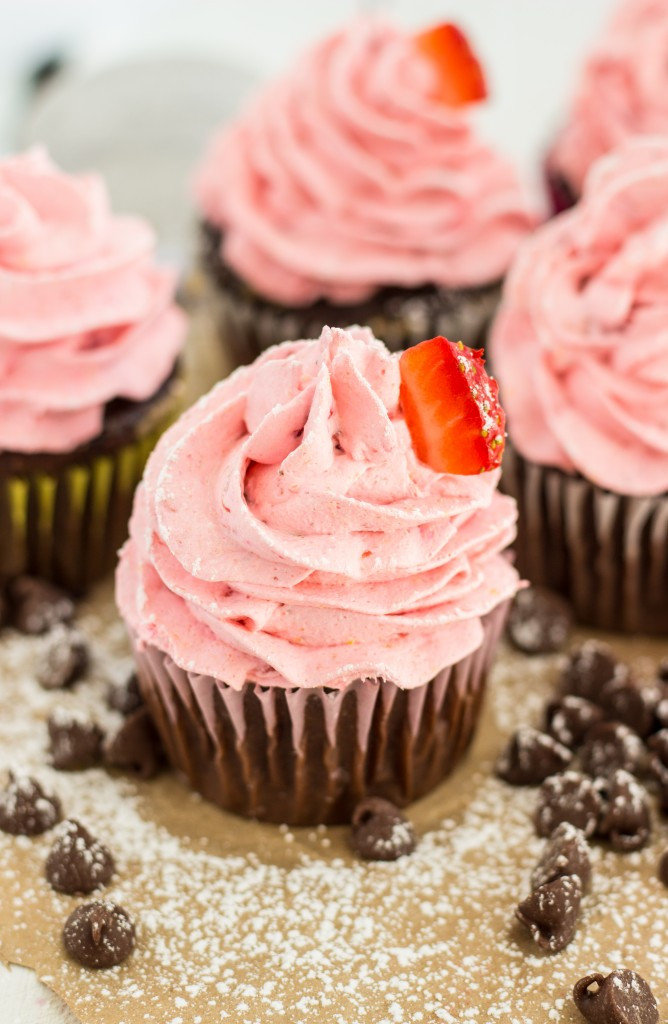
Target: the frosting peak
(287, 533)
(350, 174)
(580, 344)
(622, 90)
(85, 316)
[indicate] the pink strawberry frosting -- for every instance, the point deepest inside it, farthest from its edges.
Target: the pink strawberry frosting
(622, 91)
(85, 316)
(349, 174)
(580, 345)
(286, 533)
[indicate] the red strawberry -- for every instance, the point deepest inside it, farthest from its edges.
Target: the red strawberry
(452, 407)
(461, 78)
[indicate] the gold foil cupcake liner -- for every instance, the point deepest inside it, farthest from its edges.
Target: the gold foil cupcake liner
(304, 757)
(606, 552)
(66, 525)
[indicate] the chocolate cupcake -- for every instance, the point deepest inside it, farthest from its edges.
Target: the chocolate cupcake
(314, 583)
(89, 345)
(355, 191)
(622, 91)
(581, 350)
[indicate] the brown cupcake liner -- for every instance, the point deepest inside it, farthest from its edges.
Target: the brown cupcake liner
(303, 757)
(64, 519)
(606, 552)
(249, 324)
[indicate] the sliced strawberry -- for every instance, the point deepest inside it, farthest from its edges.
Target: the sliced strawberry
(460, 76)
(451, 407)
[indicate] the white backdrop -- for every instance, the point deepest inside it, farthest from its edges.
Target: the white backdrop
(530, 49)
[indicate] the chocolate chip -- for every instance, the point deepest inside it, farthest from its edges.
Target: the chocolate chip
(663, 868)
(662, 670)
(75, 741)
(530, 757)
(540, 621)
(569, 719)
(379, 831)
(570, 797)
(25, 809)
(37, 606)
(658, 765)
(125, 697)
(136, 746)
(589, 668)
(566, 853)
(625, 820)
(609, 746)
(99, 934)
(551, 912)
(625, 702)
(65, 658)
(661, 714)
(78, 863)
(624, 997)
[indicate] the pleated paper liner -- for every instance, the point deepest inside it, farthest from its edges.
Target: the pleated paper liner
(66, 524)
(305, 757)
(249, 324)
(606, 552)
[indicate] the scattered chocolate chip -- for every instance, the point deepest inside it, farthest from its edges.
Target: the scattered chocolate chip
(662, 670)
(570, 797)
(530, 757)
(78, 863)
(75, 741)
(37, 606)
(125, 697)
(609, 746)
(589, 668)
(569, 719)
(551, 912)
(379, 831)
(65, 659)
(624, 997)
(625, 702)
(136, 746)
(99, 934)
(25, 809)
(540, 621)
(663, 868)
(658, 765)
(566, 853)
(661, 714)
(625, 820)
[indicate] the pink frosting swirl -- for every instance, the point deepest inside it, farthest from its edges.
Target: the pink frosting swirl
(350, 174)
(580, 344)
(85, 316)
(622, 91)
(286, 533)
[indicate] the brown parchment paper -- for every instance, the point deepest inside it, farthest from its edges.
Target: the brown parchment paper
(243, 922)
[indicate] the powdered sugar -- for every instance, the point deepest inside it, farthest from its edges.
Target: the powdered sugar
(249, 923)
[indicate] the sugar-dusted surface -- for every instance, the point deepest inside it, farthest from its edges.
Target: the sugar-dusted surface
(247, 923)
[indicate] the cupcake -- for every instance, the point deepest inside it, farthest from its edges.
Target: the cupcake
(313, 606)
(581, 351)
(622, 92)
(89, 346)
(355, 190)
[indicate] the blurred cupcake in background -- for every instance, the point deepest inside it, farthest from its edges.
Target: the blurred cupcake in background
(355, 190)
(580, 347)
(315, 580)
(622, 91)
(89, 348)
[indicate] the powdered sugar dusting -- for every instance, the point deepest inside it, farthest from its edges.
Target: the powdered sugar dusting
(252, 924)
